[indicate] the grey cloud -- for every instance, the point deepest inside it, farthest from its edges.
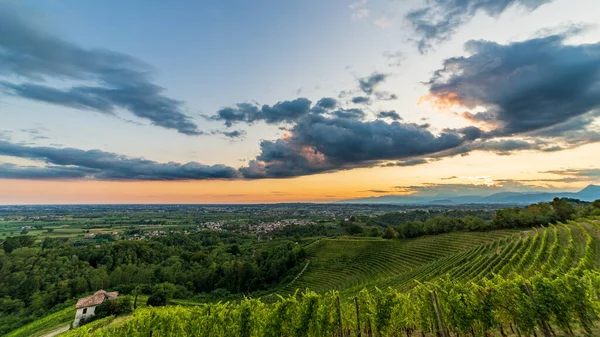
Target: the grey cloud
(589, 173)
(100, 165)
(119, 81)
(349, 113)
(369, 83)
(434, 189)
(385, 96)
(525, 86)
(377, 191)
(234, 134)
(392, 114)
(361, 100)
(408, 162)
(327, 103)
(440, 19)
(505, 147)
(11, 171)
(285, 111)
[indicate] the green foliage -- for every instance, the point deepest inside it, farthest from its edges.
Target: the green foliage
(354, 229)
(35, 279)
(157, 299)
(389, 233)
(12, 243)
(564, 302)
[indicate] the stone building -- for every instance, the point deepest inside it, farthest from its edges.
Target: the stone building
(86, 306)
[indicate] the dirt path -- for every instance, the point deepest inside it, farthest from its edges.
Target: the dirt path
(57, 331)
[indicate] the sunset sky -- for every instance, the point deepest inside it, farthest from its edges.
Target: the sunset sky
(147, 101)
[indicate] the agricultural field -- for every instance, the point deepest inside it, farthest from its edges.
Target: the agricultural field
(348, 265)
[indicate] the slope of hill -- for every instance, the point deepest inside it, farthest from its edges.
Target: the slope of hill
(590, 193)
(344, 264)
(531, 274)
(348, 265)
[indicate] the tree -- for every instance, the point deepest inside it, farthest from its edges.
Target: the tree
(158, 299)
(389, 233)
(105, 309)
(15, 242)
(354, 229)
(564, 210)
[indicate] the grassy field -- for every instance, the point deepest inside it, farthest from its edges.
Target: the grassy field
(46, 324)
(76, 228)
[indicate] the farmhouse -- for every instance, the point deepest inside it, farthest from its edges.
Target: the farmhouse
(87, 306)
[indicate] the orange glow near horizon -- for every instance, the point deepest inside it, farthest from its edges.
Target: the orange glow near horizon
(327, 187)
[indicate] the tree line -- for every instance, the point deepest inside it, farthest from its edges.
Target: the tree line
(543, 213)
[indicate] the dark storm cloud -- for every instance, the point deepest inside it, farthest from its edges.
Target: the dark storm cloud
(361, 100)
(369, 83)
(392, 114)
(113, 80)
(285, 111)
(321, 144)
(100, 165)
(525, 86)
(440, 19)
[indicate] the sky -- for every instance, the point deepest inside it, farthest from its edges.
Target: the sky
(290, 101)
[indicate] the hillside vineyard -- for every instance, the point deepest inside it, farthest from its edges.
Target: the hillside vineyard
(542, 281)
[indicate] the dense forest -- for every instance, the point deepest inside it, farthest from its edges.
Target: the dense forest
(35, 278)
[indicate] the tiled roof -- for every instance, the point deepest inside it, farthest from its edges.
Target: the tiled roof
(96, 299)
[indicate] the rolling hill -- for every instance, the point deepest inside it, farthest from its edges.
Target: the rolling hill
(472, 266)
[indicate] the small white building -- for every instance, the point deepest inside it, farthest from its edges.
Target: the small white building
(86, 306)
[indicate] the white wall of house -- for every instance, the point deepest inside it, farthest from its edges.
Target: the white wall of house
(83, 313)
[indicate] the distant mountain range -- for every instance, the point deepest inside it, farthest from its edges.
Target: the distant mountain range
(590, 193)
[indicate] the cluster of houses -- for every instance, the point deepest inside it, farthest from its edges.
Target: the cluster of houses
(147, 235)
(270, 226)
(214, 225)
